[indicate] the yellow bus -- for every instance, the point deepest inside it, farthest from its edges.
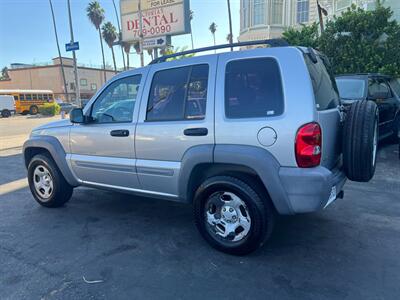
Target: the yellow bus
(29, 101)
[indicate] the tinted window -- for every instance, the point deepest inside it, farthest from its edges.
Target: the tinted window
(378, 86)
(21, 97)
(117, 102)
(34, 96)
(15, 97)
(324, 85)
(178, 94)
(40, 96)
(28, 97)
(253, 88)
(395, 84)
(350, 88)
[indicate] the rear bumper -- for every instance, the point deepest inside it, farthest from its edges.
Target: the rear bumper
(310, 190)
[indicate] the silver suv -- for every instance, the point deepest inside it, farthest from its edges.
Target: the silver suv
(241, 135)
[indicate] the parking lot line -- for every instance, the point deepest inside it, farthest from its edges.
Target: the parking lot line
(13, 186)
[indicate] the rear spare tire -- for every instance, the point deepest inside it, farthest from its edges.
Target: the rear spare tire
(360, 141)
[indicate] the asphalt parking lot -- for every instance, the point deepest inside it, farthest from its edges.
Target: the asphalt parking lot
(106, 245)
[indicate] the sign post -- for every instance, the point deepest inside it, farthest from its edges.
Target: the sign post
(74, 46)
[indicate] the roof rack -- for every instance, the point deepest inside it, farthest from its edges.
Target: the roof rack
(270, 42)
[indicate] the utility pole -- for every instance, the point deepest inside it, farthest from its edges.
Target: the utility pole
(230, 23)
(77, 91)
(119, 34)
(59, 53)
(141, 34)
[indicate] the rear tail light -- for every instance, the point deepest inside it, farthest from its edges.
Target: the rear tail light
(308, 145)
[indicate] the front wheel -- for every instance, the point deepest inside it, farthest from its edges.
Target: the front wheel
(47, 184)
(231, 216)
(5, 113)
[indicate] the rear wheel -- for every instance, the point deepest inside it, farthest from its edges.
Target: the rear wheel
(5, 113)
(47, 184)
(360, 141)
(33, 110)
(231, 216)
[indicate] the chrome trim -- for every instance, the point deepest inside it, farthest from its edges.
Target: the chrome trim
(89, 183)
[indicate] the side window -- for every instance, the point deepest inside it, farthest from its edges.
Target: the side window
(34, 96)
(378, 86)
(324, 85)
(21, 97)
(28, 97)
(395, 84)
(15, 97)
(40, 96)
(253, 88)
(178, 94)
(117, 102)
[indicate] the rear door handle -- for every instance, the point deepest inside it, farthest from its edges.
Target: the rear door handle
(119, 132)
(196, 131)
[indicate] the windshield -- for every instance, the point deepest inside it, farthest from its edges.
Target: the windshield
(351, 88)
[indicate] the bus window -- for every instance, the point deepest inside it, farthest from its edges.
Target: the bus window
(45, 97)
(40, 96)
(34, 96)
(28, 96)
(50, 96)
(15, 97)
(21, 97)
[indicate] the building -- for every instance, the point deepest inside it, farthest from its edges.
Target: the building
(49, 77)
(267, 19)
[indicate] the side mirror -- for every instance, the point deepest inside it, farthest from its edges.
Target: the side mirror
(76, 116)
(380, 95)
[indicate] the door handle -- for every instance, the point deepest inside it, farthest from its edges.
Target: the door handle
(119, 132)
(196, 131)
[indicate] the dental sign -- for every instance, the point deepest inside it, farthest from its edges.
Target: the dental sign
(159, 18)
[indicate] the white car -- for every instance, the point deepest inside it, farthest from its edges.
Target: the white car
(7, 105)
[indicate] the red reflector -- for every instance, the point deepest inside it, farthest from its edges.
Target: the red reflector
(308, 145)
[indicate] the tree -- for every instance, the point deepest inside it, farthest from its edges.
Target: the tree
(119, 33)
(307, 36)
(127, 49)
(191, 15)
(363, 41)
(110, 35)
(95, 14)
(4, 74)
(358, 41)
(213, 29)
(170, 50)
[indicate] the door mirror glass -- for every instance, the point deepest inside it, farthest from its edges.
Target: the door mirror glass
(76, 115)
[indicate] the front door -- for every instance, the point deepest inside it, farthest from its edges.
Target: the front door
(103, 150)
(176, 114)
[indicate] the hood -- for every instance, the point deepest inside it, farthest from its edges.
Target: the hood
(54, 124)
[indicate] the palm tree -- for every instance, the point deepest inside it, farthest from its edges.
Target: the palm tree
(127, 49)
(191, 15)
(95, 14)
(213, 29)
(110, 35)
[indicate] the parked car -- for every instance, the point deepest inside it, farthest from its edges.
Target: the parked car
(66, 107)
(7, 105)
(241, 135)
(383, 90)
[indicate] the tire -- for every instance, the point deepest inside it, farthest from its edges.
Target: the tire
(394, 138)
(5, 113)
(58, 193)
(360, 141)
(33, 110)
(257, 207)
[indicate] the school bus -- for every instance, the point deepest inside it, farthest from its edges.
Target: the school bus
(29, 101)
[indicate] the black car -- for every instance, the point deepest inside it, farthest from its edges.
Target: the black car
(383, 90)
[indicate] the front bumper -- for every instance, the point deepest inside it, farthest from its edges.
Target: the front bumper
(310, 190)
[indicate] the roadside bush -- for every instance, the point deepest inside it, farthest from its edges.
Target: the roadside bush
(50, 109)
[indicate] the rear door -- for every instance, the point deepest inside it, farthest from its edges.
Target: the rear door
(176, 114)
(327, 102)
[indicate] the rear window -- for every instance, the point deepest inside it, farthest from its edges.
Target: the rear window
(350, 88)
(324, 85)
(253, 88)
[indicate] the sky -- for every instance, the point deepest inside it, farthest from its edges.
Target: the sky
(27, 36)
